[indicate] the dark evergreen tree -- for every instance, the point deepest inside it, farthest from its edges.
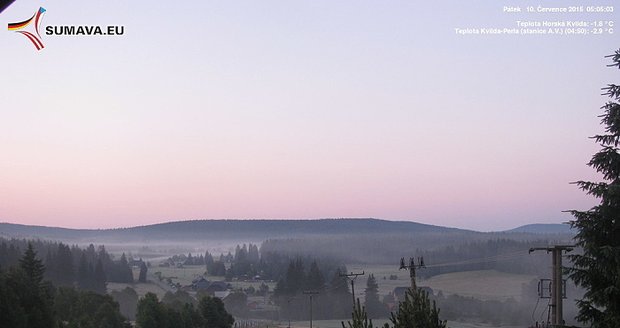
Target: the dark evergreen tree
(99, 278)
(85, 278)
(90, 253)
(78, 308)
(597, 269)
(242, 266)
(127, 300)
(200, 260)
(253, 255)
(209, 263)
(63, 266)
(293, 282)
(105, 258)
(218, 269)
(150, 312)
(35, 297)
(214, 313)
(124, 270)
(295, 277)
(189, 260)
(359, 318)
(32, 266)
(12, 314)
(340, 296)
(9, 254)
(416, 312)
(373, 305)
(143, 270)
(50, 275)
(315, 280)
(190, 317)
(177, 299)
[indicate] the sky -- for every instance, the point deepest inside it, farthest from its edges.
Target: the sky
(298, 110)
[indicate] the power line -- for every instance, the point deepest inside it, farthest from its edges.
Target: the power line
(558, 286)
(486, 259)
(311, 293)
(412, 266)
(354, 275)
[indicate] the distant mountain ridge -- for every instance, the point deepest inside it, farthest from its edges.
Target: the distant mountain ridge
(257, 230)
(544, 228)
(222, 229)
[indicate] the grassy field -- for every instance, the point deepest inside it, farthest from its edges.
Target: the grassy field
(185, 275)
(485, 284)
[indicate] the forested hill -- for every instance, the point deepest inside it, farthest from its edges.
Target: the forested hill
(544, 228)
(231, 229)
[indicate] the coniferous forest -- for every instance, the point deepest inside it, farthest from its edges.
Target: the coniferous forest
(31, 296)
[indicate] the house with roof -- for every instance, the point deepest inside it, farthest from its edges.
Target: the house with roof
(200, 283)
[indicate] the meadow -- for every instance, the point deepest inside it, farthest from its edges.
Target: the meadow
(482, 284)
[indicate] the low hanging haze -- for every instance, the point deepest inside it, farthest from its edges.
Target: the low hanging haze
(298, 109)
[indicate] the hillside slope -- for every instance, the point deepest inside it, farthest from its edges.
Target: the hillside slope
(230, 229)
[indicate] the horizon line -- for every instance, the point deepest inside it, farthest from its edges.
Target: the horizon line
(276, 219)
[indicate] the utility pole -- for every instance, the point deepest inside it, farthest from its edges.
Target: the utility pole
(311, 293)
(412, 266)
(557, 283)
(352, 276)
(288, 302)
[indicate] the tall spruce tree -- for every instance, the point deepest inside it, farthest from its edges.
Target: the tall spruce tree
(143, 270)
(340, 295)
(373, 305)
(150, 312)
(99, 281)
(315, 280)
(597, 269)
(359, 318)
(417, 311)
(214, 313)
(12, 314)
(124, 273)
(63, 266)
(35, 297)
(32, 266)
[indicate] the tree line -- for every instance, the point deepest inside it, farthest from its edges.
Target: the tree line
(209, 313)
(461, 254)
(28, 300)
(333, 301)
(89, 268)
(249, 261)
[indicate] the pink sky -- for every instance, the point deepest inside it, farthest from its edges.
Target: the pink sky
(339, 110)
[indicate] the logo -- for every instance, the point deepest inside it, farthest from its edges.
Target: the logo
(61, 30)
(35, 39)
